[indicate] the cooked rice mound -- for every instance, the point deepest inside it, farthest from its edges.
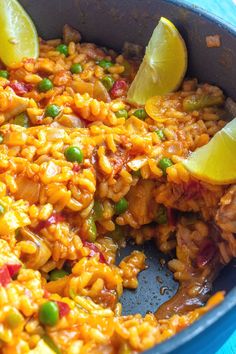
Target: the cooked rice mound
(61, 215)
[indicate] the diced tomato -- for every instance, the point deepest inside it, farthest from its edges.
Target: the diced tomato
(119, 88)
(54, 219)
(206, 253)
(63, 308)
(20, 88)
(5, 277)
(94, 250)
(13, 269)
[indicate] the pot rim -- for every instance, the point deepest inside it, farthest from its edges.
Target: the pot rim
(230, 300)
(197, 327)
(229, 27)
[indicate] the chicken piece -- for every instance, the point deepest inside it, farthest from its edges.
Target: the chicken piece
(45, 65)
(226, 214)
(11, 104)
(141, 202)
(213, 41)
(70, 35)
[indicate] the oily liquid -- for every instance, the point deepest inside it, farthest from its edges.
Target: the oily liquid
(185, 300)
(182, 302)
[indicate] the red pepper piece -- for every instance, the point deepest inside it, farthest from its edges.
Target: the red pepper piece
(76, 167)
(21, 88)
(172, 216)
(94, 250)
(54, 219)
(13, 269)
(5, 277)
(46, 294)
(63, 308)
(119, 88)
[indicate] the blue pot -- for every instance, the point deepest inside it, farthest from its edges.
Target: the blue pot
(110, 23)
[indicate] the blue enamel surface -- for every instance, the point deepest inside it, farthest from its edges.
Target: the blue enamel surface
(227, 11)
(111, 22)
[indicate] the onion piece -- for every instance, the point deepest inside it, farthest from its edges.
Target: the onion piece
(100, 92)
(27, 189)
(54, 134)
(43, 253)
(71, 121)
(137, 163)
(82, 87)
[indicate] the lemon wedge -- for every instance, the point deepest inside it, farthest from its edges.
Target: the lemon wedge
(215, 162)
(18, 36)
(163, 66)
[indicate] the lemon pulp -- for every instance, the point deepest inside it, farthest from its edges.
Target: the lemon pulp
(18, 36)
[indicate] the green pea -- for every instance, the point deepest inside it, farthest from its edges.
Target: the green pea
(52, 110)
(98, 210)
(63, 49)
(117, 234)
(49, 314)
(74, 154)
(4, 74)
(160, 134)
(2, 209)
(56, 274)
(128, 69)
(14, 319)
(121, 206)
(91, 229)
(1, 138)
(108, 82)
(137, 173)
(196, 102)
(164, 163)
(22, 120)
(76, 68)
(105, 64)
(122, 113)
(45, 85)
(49, 341)
(140, 113)
(161, 217)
